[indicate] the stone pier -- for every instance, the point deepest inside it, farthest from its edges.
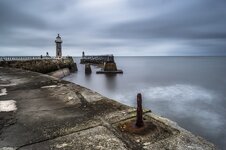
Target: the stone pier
(58, 66)
(95, 59)
(41, 112)
(37, 64)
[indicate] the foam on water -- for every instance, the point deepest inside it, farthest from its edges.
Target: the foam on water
(180, 97)
(178, 100)
(179, 93)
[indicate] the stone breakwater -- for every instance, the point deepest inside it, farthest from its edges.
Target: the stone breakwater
(46, 113)
(98, 59)
(41, 65)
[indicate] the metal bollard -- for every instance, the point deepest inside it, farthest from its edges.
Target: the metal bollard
(139, 121)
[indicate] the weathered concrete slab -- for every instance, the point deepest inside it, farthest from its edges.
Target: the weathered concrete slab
(93, 138)
(55, 114)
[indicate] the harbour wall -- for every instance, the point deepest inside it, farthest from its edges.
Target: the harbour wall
(42, 65)
(96, 59)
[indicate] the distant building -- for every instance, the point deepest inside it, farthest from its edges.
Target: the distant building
(58, 42)
(83, 54)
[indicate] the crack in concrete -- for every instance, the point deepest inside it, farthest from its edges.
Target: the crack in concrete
(55, 137)
(47, 110)
(129, 144)
(7, 119)
(84, 102)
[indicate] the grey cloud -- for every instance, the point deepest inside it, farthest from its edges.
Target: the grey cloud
(129, 27)
(12, 17)
(202, 20)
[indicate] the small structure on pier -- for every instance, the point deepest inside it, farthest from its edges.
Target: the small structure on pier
(110, 64)
(110, 67)
(58, 42)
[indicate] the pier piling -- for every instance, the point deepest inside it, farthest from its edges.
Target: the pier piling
(88, 69)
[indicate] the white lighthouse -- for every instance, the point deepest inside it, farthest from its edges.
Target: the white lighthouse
(58, 42)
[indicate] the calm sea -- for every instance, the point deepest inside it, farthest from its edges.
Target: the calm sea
(188, 90)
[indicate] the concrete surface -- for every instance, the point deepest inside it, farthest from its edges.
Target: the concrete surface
(56, 114)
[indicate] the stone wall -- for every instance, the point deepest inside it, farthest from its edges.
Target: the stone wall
(42, 65)
(98, 59)
(59, 74)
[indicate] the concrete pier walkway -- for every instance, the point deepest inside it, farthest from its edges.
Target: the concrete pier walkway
(40, 112)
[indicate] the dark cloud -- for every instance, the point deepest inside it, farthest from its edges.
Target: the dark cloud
(199, 20)
(12, 17)
(126, 27)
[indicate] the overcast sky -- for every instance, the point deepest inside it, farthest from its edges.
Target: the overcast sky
(121, 27)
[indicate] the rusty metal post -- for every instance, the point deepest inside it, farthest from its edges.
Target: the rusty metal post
(139, 121)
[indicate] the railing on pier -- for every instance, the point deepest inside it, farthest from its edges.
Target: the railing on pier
(109, 55)
(23, 58)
